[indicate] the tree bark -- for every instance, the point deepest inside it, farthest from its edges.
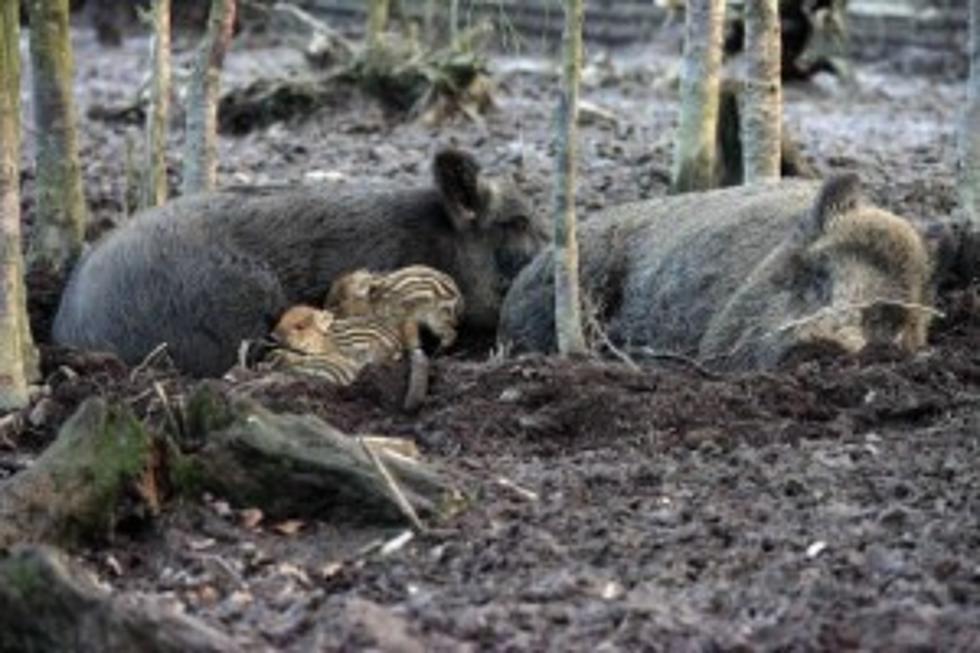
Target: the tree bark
(969, 129)
(73, 493)
(155, 191)
(568, 305)
(59, 228)
(762, 92)
(18, 357)
(50, 605)
(377, 20)
(200, 170)
(696, 140)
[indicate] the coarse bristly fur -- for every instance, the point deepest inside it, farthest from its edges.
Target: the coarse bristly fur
(336, 349)
(408, 298)
(205, 272)
(738, 277)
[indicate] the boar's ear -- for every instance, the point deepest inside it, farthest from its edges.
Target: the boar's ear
(457, 176)
(839, 195)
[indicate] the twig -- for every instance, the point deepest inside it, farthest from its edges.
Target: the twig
(171, 416)
(832, 310)
(225, 567)
(397, 543)
(517, 489)
(149, 360)
(243, 354)
(681, 358)
(591, 310)
(393, 488)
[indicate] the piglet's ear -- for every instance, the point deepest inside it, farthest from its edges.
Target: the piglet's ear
(457, 176)
(839, 195)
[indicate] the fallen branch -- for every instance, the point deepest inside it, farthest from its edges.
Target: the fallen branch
(48, 604)
(315, 468)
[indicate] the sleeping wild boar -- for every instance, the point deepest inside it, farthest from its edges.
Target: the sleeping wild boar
(737, 278)
(204, 272)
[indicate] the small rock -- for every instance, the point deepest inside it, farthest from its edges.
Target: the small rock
(510, 395)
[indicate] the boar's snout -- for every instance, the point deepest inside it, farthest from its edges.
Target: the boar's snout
(851, 274)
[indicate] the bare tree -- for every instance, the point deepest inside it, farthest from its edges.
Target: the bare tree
(61, 212)
(377, 20)
(200, 170)
(155, 190)
(18, 358)
(453, 22)
(429, 19)
(694, 155)
(568, 308)
(969, 131)
(762, 96)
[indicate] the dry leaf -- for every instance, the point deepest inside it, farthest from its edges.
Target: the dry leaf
(251, 517)
(292, 571)
(207, 594)
(331, 569)
(222, 508)
(289, 527)
(240, 597)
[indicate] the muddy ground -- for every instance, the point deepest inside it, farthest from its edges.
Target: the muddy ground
(831, 505)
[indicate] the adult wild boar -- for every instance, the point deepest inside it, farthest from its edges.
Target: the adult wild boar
(203, 273)
(737, 277)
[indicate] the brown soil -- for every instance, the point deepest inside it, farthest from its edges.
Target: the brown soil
(832, 504)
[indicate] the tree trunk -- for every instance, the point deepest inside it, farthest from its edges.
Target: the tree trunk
(155, 191)
(18, 358)
(49, 605)
(568, 306)
(453, 22)
(61, 212)
(762, 92)
(969, 131)
(200, 156)
(429, 21)
(695, 149)
(73, 493)
(377, 20)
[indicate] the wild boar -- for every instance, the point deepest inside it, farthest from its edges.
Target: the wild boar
(305, 344)
(316, 343)
(205, 272)
(736, 278)
(408, 298)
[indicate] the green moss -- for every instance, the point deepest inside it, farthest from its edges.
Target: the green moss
(21, 579)
(103, 448)
(188, 477)
(207, 410)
